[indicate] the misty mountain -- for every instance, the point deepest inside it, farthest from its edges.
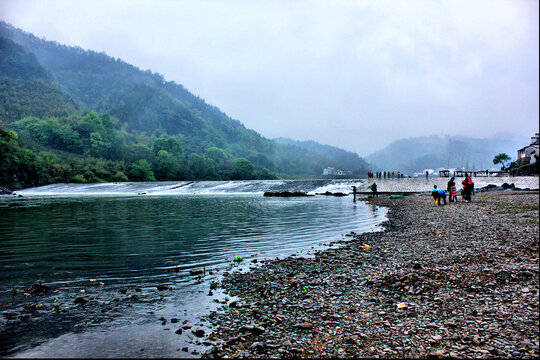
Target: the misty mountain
(44, 79)
(432, 152)
(321, 156)
(26, 88)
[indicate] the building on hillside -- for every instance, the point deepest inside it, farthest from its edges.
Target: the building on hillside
(529, 154)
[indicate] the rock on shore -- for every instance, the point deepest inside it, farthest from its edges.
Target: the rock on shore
(459, 280)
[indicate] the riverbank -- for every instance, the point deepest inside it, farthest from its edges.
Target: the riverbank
(459, 280)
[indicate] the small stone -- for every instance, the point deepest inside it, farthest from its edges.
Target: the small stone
(199, 332)
(80, 300)
(303, 326)
(245, 328)
(257, 346)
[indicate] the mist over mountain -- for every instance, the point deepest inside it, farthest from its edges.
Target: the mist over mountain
(432, 152)
(321, 156)
(79, 104)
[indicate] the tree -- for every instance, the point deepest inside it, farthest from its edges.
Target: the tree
(141, 171)
(242, 169)
(166, 166)
(197, 166)
(501, 159)
(171, 145)
(218, 155)
(120, 177)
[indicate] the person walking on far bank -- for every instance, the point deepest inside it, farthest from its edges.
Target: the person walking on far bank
(451, 189)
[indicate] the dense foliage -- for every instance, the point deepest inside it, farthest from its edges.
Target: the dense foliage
(83, 107)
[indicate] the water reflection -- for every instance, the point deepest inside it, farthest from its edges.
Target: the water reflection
(67, 240)
(136, 243)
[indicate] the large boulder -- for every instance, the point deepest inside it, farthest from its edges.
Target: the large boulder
(506, 186)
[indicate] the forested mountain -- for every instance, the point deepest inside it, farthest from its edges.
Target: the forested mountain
(26, 88)
(318, 156)
(81, 106)
(432, 152)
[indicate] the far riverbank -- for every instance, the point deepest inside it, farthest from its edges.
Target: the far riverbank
(459, 280)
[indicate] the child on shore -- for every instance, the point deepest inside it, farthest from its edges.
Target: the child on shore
(452, 192)
(438, 194)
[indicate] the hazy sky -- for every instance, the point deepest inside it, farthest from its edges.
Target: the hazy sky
(354, 74)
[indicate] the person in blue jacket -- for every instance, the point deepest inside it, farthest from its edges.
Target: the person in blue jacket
(438, 194)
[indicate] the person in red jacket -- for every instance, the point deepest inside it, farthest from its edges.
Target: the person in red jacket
(468, 188)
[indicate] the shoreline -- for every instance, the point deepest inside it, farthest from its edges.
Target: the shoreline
(465, 277)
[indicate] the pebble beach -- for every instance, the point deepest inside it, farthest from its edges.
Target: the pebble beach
(459, 280)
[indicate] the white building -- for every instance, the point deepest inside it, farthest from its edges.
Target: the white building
(329, 171)
(529, 154)
(332, 171)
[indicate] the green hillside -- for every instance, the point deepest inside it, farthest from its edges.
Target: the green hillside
(26, 88)
(81, 106)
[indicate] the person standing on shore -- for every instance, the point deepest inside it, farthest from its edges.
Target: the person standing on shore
(374, 189)
(354, 193)
(468, 186)
(451, 189)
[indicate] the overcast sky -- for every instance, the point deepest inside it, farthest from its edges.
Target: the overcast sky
(354, 74)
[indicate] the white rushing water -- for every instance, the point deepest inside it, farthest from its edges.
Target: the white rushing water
(254, 187)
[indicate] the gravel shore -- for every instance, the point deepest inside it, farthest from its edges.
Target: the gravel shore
(459, 280)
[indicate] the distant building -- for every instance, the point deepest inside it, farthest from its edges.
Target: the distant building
(329, 171)
(332, 171)
(529, 154)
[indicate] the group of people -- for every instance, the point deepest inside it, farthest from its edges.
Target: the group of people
(385, 174)
(466, 193)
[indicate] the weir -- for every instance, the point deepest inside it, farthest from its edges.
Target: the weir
(259, 187)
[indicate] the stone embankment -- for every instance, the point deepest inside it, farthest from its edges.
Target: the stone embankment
(459, 280)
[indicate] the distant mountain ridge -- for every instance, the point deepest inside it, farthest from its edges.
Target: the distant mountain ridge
(431, 152)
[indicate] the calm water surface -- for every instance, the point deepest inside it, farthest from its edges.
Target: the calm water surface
(108, 244)
(105, 243)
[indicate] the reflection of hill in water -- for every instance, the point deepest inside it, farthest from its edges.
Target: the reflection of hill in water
(261, 186)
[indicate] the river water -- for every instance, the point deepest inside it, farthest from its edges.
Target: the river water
(128, 248)
(105, 243)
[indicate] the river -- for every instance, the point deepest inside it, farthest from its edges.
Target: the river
(128, 250)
